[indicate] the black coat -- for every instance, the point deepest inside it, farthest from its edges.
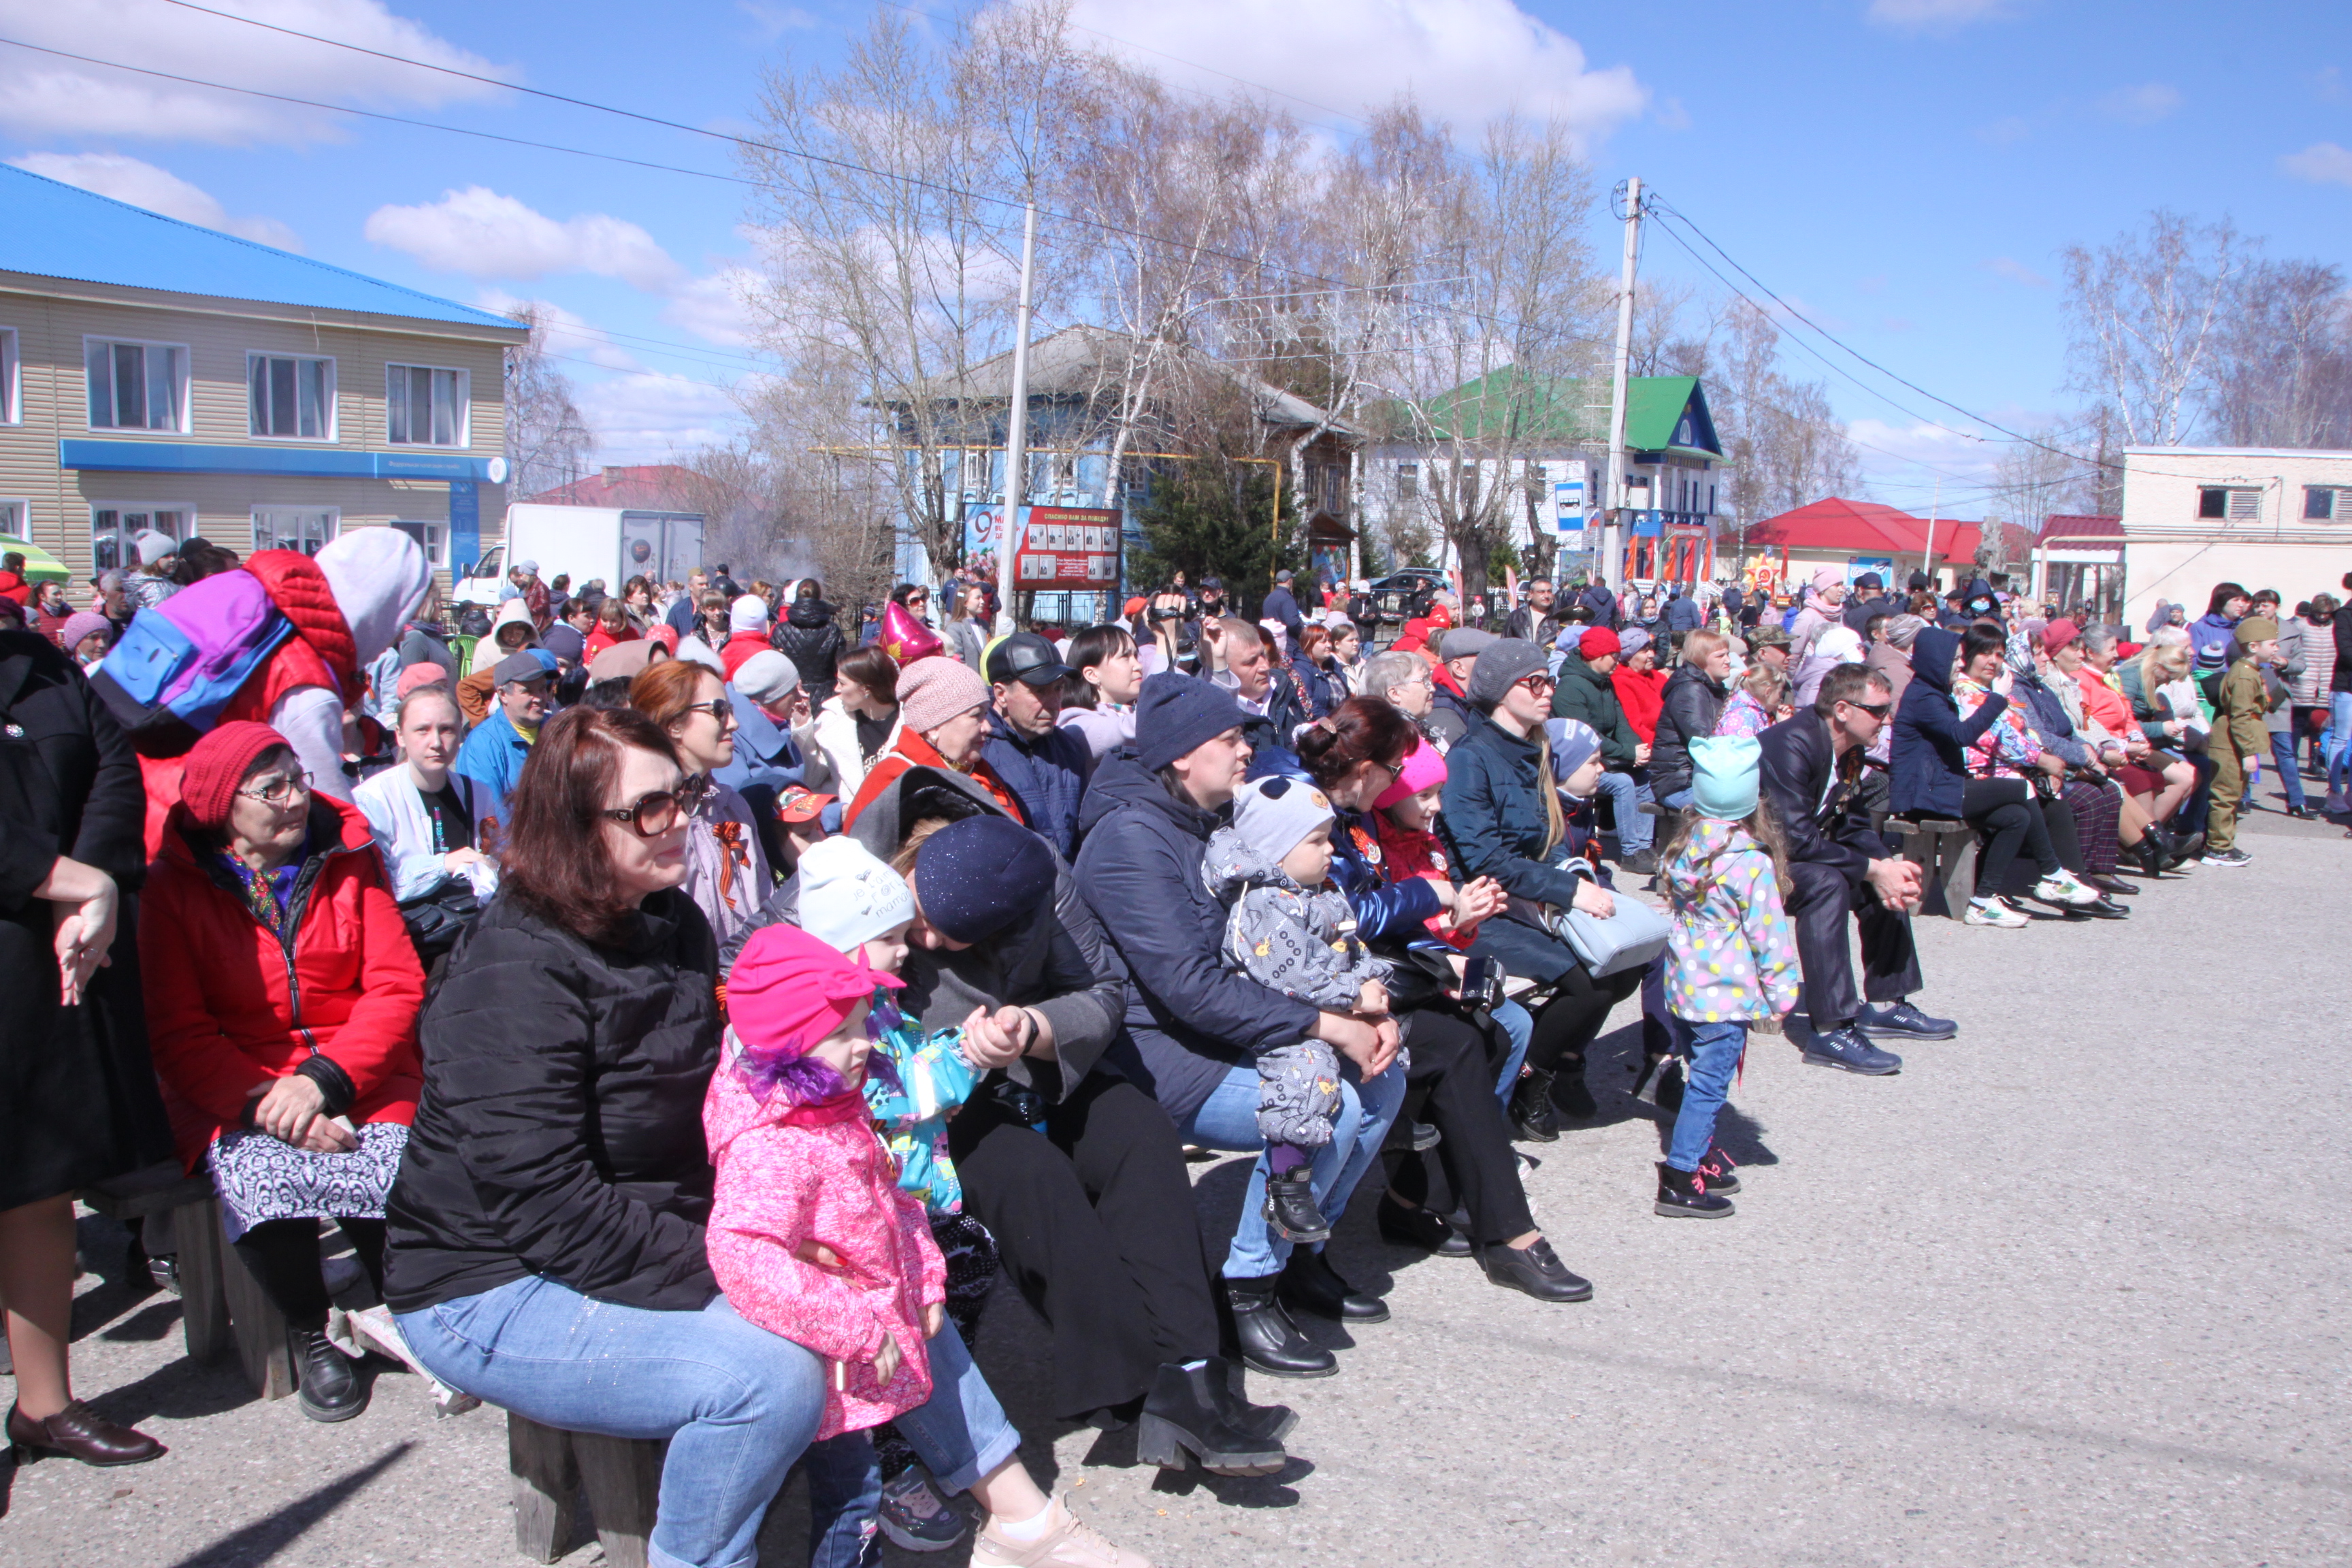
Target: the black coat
(560, 1132)
(809, 639)
(1824, 825)
(1930, 750)
(1688, 709)
(78, 1098)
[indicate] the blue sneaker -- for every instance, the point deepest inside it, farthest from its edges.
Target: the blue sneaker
(1906, 1021)
(917, 1516)
(1851, 1049)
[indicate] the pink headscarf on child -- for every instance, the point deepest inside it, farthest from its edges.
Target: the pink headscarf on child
(787, 991)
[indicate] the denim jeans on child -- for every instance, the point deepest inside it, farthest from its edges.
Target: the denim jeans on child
(737, 1403)
(960, 1434)
(1715, 1052)
(1519, 1027)
(1626, 794)
(1228, 1120)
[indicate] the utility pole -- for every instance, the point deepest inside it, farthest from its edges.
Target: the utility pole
(1016, 441)
(1927, 558)
(1613, 566)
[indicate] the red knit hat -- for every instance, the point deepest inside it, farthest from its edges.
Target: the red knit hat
(2057, 634)
(217, 764)
(1600, 640)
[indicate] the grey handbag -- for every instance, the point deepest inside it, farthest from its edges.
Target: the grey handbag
(1629, 938)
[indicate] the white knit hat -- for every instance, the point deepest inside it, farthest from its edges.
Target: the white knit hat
(848, 897)
(748, 613)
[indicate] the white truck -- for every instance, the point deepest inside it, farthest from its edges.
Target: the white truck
(616, 543)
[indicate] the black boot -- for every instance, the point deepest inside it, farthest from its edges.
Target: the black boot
(1308, 1283)
(1290, 1209)
(1535, 1270)
(1683, 1195)
(1570, 1097)
(1270, 1342)
(1425, 1228)
(1533, 1121)
(2153, 851)
(327, 1385)
(1266, 1423)
(1182, 1421)
(1717, 1169)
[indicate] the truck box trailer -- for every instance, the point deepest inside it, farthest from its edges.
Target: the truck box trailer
(614, 543)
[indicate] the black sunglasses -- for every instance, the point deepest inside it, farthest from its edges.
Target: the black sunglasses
(1875, 709)
(719, 708)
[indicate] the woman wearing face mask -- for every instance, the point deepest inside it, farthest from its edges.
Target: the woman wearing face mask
(726, 866)
(430, 823)
(86, 637)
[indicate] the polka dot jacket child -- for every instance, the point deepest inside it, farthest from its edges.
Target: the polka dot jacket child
(1732, 955)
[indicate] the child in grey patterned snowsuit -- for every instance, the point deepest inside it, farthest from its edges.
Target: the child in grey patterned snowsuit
(1289, 929)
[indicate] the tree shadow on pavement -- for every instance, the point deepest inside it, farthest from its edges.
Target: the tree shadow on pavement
(265, 1538)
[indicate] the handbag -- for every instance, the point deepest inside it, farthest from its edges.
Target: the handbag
(1629, 938)
(436, 918)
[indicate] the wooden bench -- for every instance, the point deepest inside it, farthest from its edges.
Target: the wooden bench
(620, 1477)
(1946, 853)
(221, 1304)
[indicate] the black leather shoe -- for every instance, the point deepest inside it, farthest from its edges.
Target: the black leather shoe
(1905, 1020)
(2300, 813)
(1309, 1284)
(1849, 1049)
(1535, 1270)
(1230, 1392)
(326, 1385)
(1270, 1342)
(78, 1432)
(1533, 1120)
(1181, 1422)
(1289, 1206)
(1684, 1195)
(1420, 1227)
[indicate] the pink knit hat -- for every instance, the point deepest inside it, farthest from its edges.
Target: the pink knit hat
(935, 689)
(788, 990)
(424, 672)
(1424, 765)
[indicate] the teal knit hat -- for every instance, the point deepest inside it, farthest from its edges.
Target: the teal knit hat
(1723, 776)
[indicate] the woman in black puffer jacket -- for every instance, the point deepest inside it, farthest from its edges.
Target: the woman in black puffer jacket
(545, 1238)
(809, 639)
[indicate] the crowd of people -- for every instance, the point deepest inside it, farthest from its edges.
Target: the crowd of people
(686, 1012)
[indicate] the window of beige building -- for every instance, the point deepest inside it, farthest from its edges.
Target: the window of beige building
(425, 406)
(302, 528)
(114, 524)
(291, 398)
(137, 385)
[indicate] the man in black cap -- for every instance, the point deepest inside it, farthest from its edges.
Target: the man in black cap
(495, 749)
(1044, 765)
(1869, 598)
(1283, 606)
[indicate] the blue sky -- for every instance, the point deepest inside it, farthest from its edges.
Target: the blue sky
(1907, 171)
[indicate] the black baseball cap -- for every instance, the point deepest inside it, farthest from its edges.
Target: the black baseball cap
(1025, 655)
(1213, 584)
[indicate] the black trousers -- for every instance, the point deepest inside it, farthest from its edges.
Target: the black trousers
(284, 1257)
(1451, 1086)
(1820, 908)
(1096, 1228)
(1571, 1020)
(2007, 812)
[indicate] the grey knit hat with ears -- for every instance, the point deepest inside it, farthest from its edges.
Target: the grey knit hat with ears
(1502, 665)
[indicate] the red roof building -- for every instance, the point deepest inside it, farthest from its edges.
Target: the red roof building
(656, 487)
(1835, 526)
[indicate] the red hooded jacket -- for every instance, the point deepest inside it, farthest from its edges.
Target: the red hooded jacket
(231, 1007)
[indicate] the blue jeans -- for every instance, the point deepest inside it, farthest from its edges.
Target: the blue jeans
(1676, 800)
(1716, 1050)
(1626, 794)
(737, 1403)
(1228, 1120)
(2339, 742)
(960, 1434)
(1520, 1026)
(2290, 775)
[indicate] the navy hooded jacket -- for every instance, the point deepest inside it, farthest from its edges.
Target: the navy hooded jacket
(1931, 764)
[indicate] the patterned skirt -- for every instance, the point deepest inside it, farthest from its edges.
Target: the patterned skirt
(2096, 808)
(260, 1178)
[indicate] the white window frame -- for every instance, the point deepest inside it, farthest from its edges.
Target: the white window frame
(12, 382)
(187, 514)
(16, 518)
(187, 386)
(334, 525)
(327, 399)
(464, 399)
(431, 536)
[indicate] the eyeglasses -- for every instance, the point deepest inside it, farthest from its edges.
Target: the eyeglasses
(281, 791)
(651, 815)
(1538, 684)
(719, 708)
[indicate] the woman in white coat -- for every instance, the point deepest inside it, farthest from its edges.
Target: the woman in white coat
(430, 824)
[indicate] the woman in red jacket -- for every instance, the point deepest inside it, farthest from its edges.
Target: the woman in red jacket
(282, 994)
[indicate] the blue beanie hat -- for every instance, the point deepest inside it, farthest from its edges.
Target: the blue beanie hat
(1573, 743)
(1724, 779)
(1177, 712)
(974, 877)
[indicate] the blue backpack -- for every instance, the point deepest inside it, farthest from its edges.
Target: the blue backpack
(180, 662)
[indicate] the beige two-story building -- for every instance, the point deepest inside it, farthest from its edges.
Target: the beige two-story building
(156, 375)
(2259, 517)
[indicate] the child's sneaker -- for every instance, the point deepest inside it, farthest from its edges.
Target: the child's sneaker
(2227, 858)
(1290, 1207)
(916, 1517)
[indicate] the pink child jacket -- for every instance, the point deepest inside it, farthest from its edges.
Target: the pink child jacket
(812, 1239)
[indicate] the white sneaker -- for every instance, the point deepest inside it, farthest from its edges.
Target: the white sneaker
(1068, 1544)
(1992, 912)
(2061, 888)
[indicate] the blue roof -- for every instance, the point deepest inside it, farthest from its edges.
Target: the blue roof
(56, 230)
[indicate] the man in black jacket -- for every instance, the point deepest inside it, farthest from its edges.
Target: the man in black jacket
(1537, 621)
(1869, 598)
(1812, 773)
(1268, 696)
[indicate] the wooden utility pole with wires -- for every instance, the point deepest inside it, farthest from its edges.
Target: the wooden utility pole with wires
(1016, 433)
(1612, 542)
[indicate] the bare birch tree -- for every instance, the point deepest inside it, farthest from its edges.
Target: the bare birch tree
(2145, 313)
(549, 443)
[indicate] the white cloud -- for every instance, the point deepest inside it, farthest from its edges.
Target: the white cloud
(2142, 105)
(1672, 116)
(158, 190)
(647, 416)
(481, 233)
(713, 307)
(1905, 462)
(572, 335)
(773, 21)
(2015, 271)
(2322, 163)
(42, 95)
(1937, 16)
(1464, 60)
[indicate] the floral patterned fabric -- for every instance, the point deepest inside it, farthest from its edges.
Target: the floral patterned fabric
(1732, 954)
(2007, 748)
(1743, 715)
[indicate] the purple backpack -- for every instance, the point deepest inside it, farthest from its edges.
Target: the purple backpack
(180, 662)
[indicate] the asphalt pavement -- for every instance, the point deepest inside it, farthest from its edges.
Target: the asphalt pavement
(2069, 1289)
